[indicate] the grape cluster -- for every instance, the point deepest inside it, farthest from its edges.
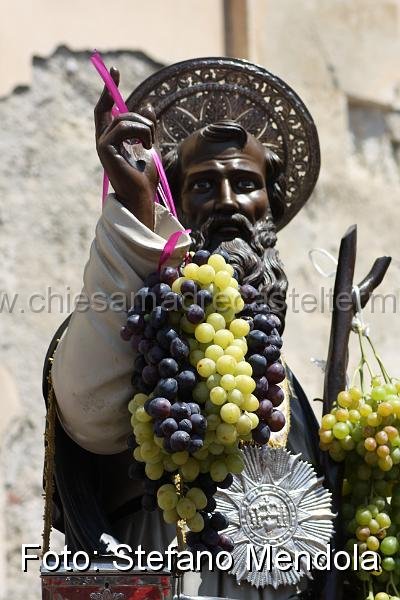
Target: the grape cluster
(363, 429)
(206, 377)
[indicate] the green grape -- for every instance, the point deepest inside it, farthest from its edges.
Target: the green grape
(226, 433)
(190, 271)
(254, 419)
(154, 471)
(363, 516)
(354, 416)
(241, 342)
(190, 469)
(244, 425)
(217, 321)
(137, 454)
(223, 337)
(245, 384)
(211, 408)
(206, 367)
(197, 496)
(328, 421)
(214, 352)
(167, 498)
(216, 449)
(185, 508)
(344, 399)
(389, 545)
(230, 412)
(180, 458)
(244, 368)
(236, 397)
(236, 352)
(141, 415)
(169, 464)
(149, 450)
(205, 274)
(239, 328)
(222, 279)
(214, 381)
(226, 365)
(218, 470)
(383, 519)
(196, 524)
(373, 509)
(186, 326)
(218, 263)
(195, 357)
(204, 333)
(213, 421)
(235, 463)
(250, 403)
(372, 543)
(170, 516)
(374, 526)
(227, 382)
(200, 392)
(218, 396)
(340, 430)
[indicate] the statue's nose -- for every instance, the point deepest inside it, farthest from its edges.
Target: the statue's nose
(226, 200)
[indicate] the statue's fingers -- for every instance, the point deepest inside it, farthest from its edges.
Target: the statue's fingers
(149, 113)
(102, 111)
(126, 130)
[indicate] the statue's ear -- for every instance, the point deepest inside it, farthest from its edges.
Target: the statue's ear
(276, 184)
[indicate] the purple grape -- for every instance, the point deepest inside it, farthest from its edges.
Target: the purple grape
(261, 388)
(179, 441)
(275, 394)
(264, 323)
(159, 408)
(168, 367)
(226, 542)
(139, 364)
(224, 254)
(185, 425)
(188, 288)
(201, 257)
(277, 322)
(157, 427)
(219, 521)
(158, 317)
(199, 423)
(209, 536)
(149, 332)
(172, 302)
(256, 341)
(226, 483)
(167, 444)
(135, 341)
(186, 381)
(179, 411)
(194, 408)
(150, 375)
(211, 505)
(276, 421)
(168, 275)
(261, 433)
(248, 292)
(275, 340)
(155, 355)
(272, 353)
(179, 349)
(168, 427)
(125, 334)
(258, 364)
(135, 323)
(152, 279)
(265, 409)
(160, 290)
(167, 388)
(143, 300)
(165, 336)
(196, 443)
(203, 298)
(275, 373)
(195, 314)
(193, 538)
(149, 502)
(144, 346)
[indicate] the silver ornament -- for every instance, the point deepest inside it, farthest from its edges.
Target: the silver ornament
(277, 503)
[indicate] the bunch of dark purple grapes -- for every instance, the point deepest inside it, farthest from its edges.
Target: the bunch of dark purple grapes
(264, 351)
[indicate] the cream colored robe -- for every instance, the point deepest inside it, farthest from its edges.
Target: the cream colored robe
(93, 366)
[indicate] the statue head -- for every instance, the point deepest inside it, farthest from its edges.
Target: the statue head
(229, 189)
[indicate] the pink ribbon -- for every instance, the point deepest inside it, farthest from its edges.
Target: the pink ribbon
(170, 246)
(163, 189)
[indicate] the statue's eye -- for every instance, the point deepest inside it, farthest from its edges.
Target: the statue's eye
(202, 185)
(245, 185)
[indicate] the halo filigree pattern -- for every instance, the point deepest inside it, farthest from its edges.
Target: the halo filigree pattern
(279, 502)
(191, 94)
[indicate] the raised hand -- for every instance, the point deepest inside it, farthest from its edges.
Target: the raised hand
(123, 145)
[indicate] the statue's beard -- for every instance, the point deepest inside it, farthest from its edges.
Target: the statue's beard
(253, 255)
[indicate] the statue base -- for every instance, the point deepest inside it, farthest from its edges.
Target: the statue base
(102, 581)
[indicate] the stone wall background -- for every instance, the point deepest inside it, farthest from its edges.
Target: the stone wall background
(341, 57)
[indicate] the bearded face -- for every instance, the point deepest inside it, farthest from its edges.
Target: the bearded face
(229, 192)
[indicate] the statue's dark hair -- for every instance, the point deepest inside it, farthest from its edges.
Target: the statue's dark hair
(257, 262)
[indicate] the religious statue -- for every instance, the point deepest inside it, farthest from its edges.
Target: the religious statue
(241, 154)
